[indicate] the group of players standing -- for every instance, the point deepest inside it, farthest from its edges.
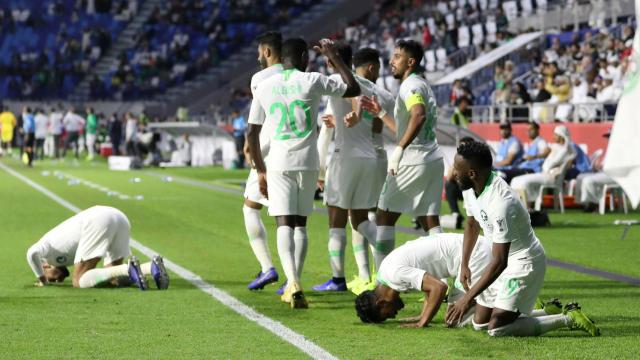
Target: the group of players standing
(498, 277)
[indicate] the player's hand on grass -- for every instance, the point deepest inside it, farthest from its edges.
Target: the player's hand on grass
(413, 325)
(411, 319)
(262, 183)
(394, 160)
(456, 311)
(465, 277)
(370, 104)
(351, 119)
(42, 281)
(325, 47)
(329, 121)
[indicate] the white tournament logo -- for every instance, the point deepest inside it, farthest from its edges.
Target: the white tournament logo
(61, 259)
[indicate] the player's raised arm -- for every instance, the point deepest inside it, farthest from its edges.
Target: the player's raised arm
(327, 49)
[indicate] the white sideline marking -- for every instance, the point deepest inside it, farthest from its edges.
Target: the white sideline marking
(277, 328)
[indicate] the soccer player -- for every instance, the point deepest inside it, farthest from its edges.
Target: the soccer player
(290, 101)
(416, 168)
(8, 123)
(510, 284)
(97, 233)
(269, 49)
(351, 186)
(419, 265)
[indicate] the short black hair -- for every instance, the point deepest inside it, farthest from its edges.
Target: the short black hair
(293, 48)
(535, 125)
(63, 270)
(467, 139)
(366, 56)
(272, 39)
(505, 125)
(366, 307)
(345, 52)
(477, 153)
(413, 48)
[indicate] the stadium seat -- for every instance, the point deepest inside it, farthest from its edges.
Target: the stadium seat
(557, 188)
(478, 34)
(464, 38)
(510, 10)
(616, 193)
(441, 55)
(430, 58)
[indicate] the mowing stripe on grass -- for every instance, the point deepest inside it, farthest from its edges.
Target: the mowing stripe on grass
(551, 262)
(277, 328)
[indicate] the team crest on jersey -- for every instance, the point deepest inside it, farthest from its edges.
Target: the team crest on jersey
(61, 259)
(485, 220)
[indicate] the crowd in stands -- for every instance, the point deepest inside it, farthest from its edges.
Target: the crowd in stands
(47, 46)
(184, 38)
(576, 71)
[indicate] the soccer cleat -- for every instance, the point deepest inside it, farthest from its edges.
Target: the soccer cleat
(25, 158)
(539, 305)
(135, 274)
(553, 307)
(263, 279)
(579, 320)
(331, 285)
(159, 273)
(280, 289)
(295, 297)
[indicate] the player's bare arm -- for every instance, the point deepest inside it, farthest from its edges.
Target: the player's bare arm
(82, 267)
(471, 232)
(253, 138)
(327, 49)
(500, 254)
(372, 105)
(435, 291)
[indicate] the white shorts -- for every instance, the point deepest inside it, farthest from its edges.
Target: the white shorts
(351, 183)
(291, 192)
(252, 189)
(104, 234)
(416, 190)
(517, 288)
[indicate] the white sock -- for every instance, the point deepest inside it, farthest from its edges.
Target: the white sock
(536, 313)
(361, 253)
(531, 326)
(385, 242)
(286, 249)
(337, 244)
(372, 216)
(257, 237)
(146, 268)
(301, 240)
(94, 277)
(435, 230)
(369, 230)
(479, 327)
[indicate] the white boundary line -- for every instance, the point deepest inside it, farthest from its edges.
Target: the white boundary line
(277, 328)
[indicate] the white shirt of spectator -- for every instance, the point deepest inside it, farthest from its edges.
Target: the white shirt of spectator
(255, 111)
(73, 122)
(424, 147)
(503, 218)
(357, 141)
(290, 101)
(55, 123)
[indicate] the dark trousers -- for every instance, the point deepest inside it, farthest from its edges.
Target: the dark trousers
(453, 194)
(56, 145)
(39, 152)
(72, 138)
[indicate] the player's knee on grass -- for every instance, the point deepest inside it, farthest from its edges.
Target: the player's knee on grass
(501, 331)
(479, 327)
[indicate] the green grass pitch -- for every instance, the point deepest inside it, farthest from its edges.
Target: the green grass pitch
(202, 230)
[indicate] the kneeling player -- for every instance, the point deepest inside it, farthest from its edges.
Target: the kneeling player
(100, 232)
(419, 265)
(511, 282)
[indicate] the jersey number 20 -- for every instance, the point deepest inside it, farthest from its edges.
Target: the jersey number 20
(287, 116)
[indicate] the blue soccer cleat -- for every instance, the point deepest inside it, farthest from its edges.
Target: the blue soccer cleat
(159, 273)
(136, 275)
(263, 279)
(280, 290)
(331, 286)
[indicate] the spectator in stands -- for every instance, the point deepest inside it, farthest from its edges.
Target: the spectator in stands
(537, 150)
(502, 83)
(42, 124)
(521, 99)
(114, 127)
(182, 113)
(239, 130)
(456, 92)
(509, 150)
(554, 167)
(581, 163)
(461, 113)
(73, 124)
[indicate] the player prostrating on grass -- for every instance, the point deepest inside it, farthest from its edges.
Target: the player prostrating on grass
(290, 101)
(97, 233)
(269, 48)
(350, 188)
(419, 265)
(510, 284)
(416, 169)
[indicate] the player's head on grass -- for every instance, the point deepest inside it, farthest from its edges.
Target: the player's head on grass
(406, 58)
(378, 305)
(344, 52)
(367, 63)
(55, 273)
(295, 54)
(269, 48)
(472, 165)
